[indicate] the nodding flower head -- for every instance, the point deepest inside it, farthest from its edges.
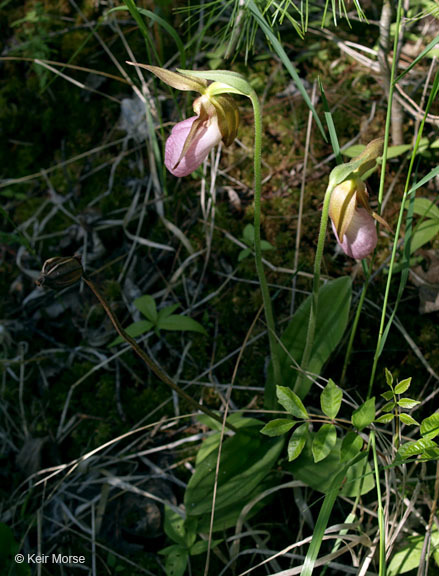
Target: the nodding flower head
(352, 219)
(192, 139)
(216, 120)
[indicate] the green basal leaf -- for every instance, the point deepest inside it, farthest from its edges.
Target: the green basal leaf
(403, 386)
(423, 233)
(407, 419)
(331, 322)
(201, 546)
(176, 322)
(291, 402)
(297, 441)
(246, 458)
(176, 560)
(323, 442)
(430, 426)
(133, 330)
(385, 418)
(277, 427)
(409, 556)
(408, 403)
(425, 207)
(174, 526)
(330, 399)
(364, 415)
(319, 476)
(146, 305)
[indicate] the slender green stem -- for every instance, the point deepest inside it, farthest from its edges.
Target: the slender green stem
(315, 292)
(381, 189)
(148, 361)
(270, 401)
(354, 330)
(382, 566)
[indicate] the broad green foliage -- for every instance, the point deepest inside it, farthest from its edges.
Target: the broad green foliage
(278, 427)
(323, 442)
(291, 402)
(425, 448)
(358, 478)
(428, 226)
(332, 319)
(163, 319)
(318, 454)
(297, 441)
(364, 415)
(330, 399)
(409, 556)
(248, 237)
(246, 459)
(430, 426)
(182, 531)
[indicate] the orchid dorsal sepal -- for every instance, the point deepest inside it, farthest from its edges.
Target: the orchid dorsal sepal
(224, 81)
(178, 80)
(359, 166)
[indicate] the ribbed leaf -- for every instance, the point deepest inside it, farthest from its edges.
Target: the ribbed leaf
(331, 322)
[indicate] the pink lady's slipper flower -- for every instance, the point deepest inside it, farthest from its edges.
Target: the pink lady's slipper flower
(352, 219)
(216, 120)
(349, 210)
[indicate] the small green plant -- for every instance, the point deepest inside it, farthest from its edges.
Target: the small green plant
(183, 532)
(157, 320)
(248, 237)
(324, 441)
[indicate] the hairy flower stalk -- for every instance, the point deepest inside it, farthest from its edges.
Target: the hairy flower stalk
(353, 224)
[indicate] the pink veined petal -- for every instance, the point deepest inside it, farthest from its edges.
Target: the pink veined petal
(360, 237)
(208, 135)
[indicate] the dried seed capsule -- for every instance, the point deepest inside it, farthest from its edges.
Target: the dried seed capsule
(61, 272)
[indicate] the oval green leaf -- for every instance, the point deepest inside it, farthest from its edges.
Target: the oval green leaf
(330, 399)
(133, 330)
(291, 402)
(324, 441)
(403, 386)
(297, 441)
(364, 415)
(277, 427)
(176, 322)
